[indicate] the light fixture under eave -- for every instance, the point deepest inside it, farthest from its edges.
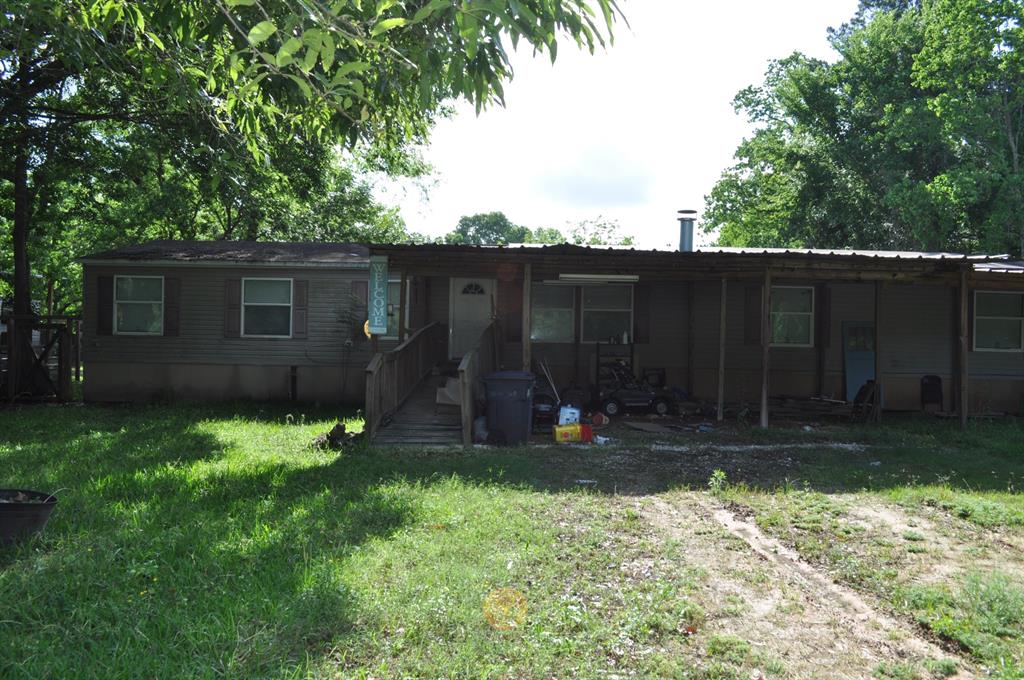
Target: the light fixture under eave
(599, 278)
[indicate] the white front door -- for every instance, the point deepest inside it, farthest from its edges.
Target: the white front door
(471, 307)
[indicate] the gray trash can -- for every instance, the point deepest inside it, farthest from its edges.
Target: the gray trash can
(509, 406)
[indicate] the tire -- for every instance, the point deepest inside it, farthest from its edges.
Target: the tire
(660, 406)
(612, 408)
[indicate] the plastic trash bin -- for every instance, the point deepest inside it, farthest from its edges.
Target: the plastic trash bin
(509, 406)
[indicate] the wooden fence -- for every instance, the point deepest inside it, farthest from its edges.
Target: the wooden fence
(42, 355)
(392, 376)
(484, 358)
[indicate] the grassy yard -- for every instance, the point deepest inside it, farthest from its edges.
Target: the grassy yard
(212, 541)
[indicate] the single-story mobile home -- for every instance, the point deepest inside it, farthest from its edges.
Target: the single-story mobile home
(219, 320)
(216, 320)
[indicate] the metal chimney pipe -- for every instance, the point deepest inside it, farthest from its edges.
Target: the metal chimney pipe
(686, 220)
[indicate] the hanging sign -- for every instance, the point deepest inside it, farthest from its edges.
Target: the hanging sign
(378, 295)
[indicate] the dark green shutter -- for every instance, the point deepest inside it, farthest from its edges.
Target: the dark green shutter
(105, 305)
(232, 308)
(300, 309)
(172, 307)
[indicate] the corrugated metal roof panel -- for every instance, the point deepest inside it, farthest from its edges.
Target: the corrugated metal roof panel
(1001, 267)
(237, 251)
(887, 254)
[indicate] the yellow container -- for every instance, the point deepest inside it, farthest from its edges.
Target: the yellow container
(573, 432)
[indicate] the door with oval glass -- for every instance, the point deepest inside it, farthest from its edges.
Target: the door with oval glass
(471, 308)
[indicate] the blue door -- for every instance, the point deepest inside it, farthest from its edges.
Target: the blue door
(858, 355)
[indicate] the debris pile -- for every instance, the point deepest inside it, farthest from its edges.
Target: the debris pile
(336, 439)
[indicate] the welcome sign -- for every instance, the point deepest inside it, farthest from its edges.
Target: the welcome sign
(378, 295)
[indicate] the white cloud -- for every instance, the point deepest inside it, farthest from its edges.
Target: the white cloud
(633, 133)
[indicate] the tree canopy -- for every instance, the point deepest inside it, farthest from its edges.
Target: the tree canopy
(908, 140)
(494, 228)
(280, 80)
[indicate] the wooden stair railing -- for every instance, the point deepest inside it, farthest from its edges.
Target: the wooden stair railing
(483, 359)
(392, 376)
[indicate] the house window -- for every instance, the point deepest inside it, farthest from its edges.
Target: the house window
(139, 305)
(551, 313)
(998, 322)
(792, 316)
(267, 308)
(607, 313)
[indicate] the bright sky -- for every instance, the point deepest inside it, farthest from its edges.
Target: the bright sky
(633, 133)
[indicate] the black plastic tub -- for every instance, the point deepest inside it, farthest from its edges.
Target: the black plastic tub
(23, 513)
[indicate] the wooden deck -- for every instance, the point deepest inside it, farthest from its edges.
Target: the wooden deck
(421, 421)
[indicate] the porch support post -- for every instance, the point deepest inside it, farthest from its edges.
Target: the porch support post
(691, 331)
(964, 347)
(766, 342)
(403, 303)
(721, 351)
(527, 316)
(876, 411)
(821, 330)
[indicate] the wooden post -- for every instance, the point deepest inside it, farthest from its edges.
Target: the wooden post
(690, 333)
(13, 360)
(766, 342)
(962, 404)
(821, 329)
(403, 302)
(721, 351)
(64, 351)
(876, 411)
(78, 350)
(527, 317)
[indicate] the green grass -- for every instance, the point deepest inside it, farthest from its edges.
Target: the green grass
(211, 541)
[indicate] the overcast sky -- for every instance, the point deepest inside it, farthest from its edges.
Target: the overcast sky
(633, 133)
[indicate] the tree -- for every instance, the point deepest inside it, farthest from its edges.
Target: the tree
(866, 152)
(492, 228)
(373, 72)
(598, 232)
(972, 59)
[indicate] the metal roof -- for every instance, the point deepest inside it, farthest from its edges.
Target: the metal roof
(1001, 267)
(888, 254)
(244, 252)
(569, 248)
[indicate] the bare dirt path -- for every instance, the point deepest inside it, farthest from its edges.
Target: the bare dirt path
(762, 591)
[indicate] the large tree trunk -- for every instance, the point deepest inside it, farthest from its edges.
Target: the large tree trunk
(22, 275)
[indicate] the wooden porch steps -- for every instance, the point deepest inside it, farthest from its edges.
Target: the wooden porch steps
(420, 421)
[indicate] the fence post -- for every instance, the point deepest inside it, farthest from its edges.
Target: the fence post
(64, 361)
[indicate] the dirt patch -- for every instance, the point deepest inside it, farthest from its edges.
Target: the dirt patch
(944, 547)
(763, 592)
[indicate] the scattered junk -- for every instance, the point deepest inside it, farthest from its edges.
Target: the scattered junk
(668, 427)
(617, 390)
(574, 433)
(337, 439)
(23, 514)
(568, 415)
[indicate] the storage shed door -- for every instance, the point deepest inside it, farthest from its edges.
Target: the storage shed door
(472, 306)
